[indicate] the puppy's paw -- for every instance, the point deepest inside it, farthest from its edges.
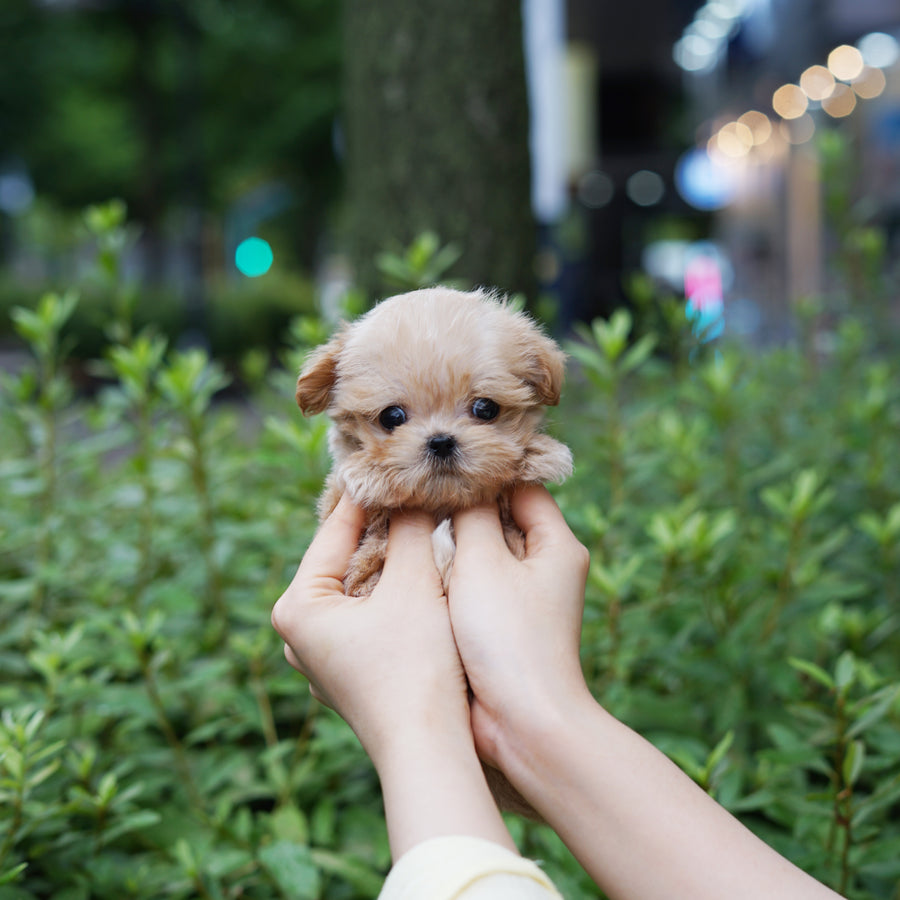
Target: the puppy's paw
(361, 582)
(367, 562)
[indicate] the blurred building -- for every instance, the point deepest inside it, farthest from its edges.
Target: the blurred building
(697, 120)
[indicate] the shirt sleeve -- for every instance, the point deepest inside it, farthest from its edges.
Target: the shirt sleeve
(465, 868)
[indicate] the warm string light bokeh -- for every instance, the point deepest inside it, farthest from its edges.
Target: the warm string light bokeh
(747, 160)
(835, 88)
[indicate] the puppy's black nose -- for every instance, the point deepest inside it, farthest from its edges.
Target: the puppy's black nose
(441, 445)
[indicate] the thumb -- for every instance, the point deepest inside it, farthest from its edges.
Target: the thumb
(323, 566)
(335, 542)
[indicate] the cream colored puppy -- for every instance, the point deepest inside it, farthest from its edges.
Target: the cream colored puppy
(436, 399)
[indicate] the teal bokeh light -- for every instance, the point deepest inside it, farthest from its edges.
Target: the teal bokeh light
(253, 257)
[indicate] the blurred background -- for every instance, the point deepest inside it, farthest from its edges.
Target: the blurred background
(192, 192)
(739, 157)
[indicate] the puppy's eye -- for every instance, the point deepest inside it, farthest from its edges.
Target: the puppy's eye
(485, 409)
(391, 417)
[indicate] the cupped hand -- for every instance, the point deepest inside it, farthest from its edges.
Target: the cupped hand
(517, 623)
(387, 663)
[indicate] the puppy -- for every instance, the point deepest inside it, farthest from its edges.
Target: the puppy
(436, 399)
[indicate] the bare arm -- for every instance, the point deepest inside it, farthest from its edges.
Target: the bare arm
(639, 826)
(388, 665)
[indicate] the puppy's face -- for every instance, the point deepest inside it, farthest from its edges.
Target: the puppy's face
(436, 398)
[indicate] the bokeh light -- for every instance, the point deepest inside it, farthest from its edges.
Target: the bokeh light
(879, 50)
(799, 130)
(870, 84)
(759, 124)
(817, 82)
(734, 140)
(695, 53)
(841, 103)
(16, 193)
(789, 101)
(253, 257)
(845, 62)
(595, 189)
(703, 182)
(704, 41)
(645, 188)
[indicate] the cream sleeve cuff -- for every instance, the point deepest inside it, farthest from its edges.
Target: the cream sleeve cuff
(465, 868)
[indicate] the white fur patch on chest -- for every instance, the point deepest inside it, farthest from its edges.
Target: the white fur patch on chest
(443, 547)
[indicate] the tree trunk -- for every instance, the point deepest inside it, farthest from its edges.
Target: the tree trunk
(436, 128)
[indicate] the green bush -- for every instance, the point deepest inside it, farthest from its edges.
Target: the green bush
(232, 316)
(743, 613)
(236, 316)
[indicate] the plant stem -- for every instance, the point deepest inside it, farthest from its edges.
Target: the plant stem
(47, 452)
(180, 756)
(16, 824)
(267, 717)
(616, 441)
(785, 582)
(145, 539)
(843, 797)
(200, 478)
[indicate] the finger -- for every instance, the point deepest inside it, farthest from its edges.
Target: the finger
(317, 695)
(293, 659)
(535, 511)
(409, 544)
(335, 542)
(326, 560)
(478, 529)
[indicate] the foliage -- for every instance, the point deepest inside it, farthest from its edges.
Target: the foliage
(238, 315)
(422, 264)
(743, 611)
(857, 242)
(743, 515)
(121, 100)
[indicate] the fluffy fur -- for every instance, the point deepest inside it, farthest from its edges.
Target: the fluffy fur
(471, 378)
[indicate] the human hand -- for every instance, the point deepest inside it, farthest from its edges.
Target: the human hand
(386, 663)
(517, 623)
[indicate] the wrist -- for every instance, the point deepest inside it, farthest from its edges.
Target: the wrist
(434, 786)
(531, 746)
(419, 725)
(422, 744)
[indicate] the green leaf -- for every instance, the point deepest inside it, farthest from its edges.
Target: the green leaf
(590, 358)
(718, 753)
(854, 761)
(817, 673)
(638, 354)
(876, 707)
(12, 874)
(289, 824)
(845, 672)
(136, 821)
(360, 875)
(293, 869)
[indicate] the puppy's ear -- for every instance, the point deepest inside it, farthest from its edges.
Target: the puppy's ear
(544, 368)
(318, 376)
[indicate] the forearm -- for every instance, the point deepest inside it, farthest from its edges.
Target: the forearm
(639, 826)
(433, 785)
